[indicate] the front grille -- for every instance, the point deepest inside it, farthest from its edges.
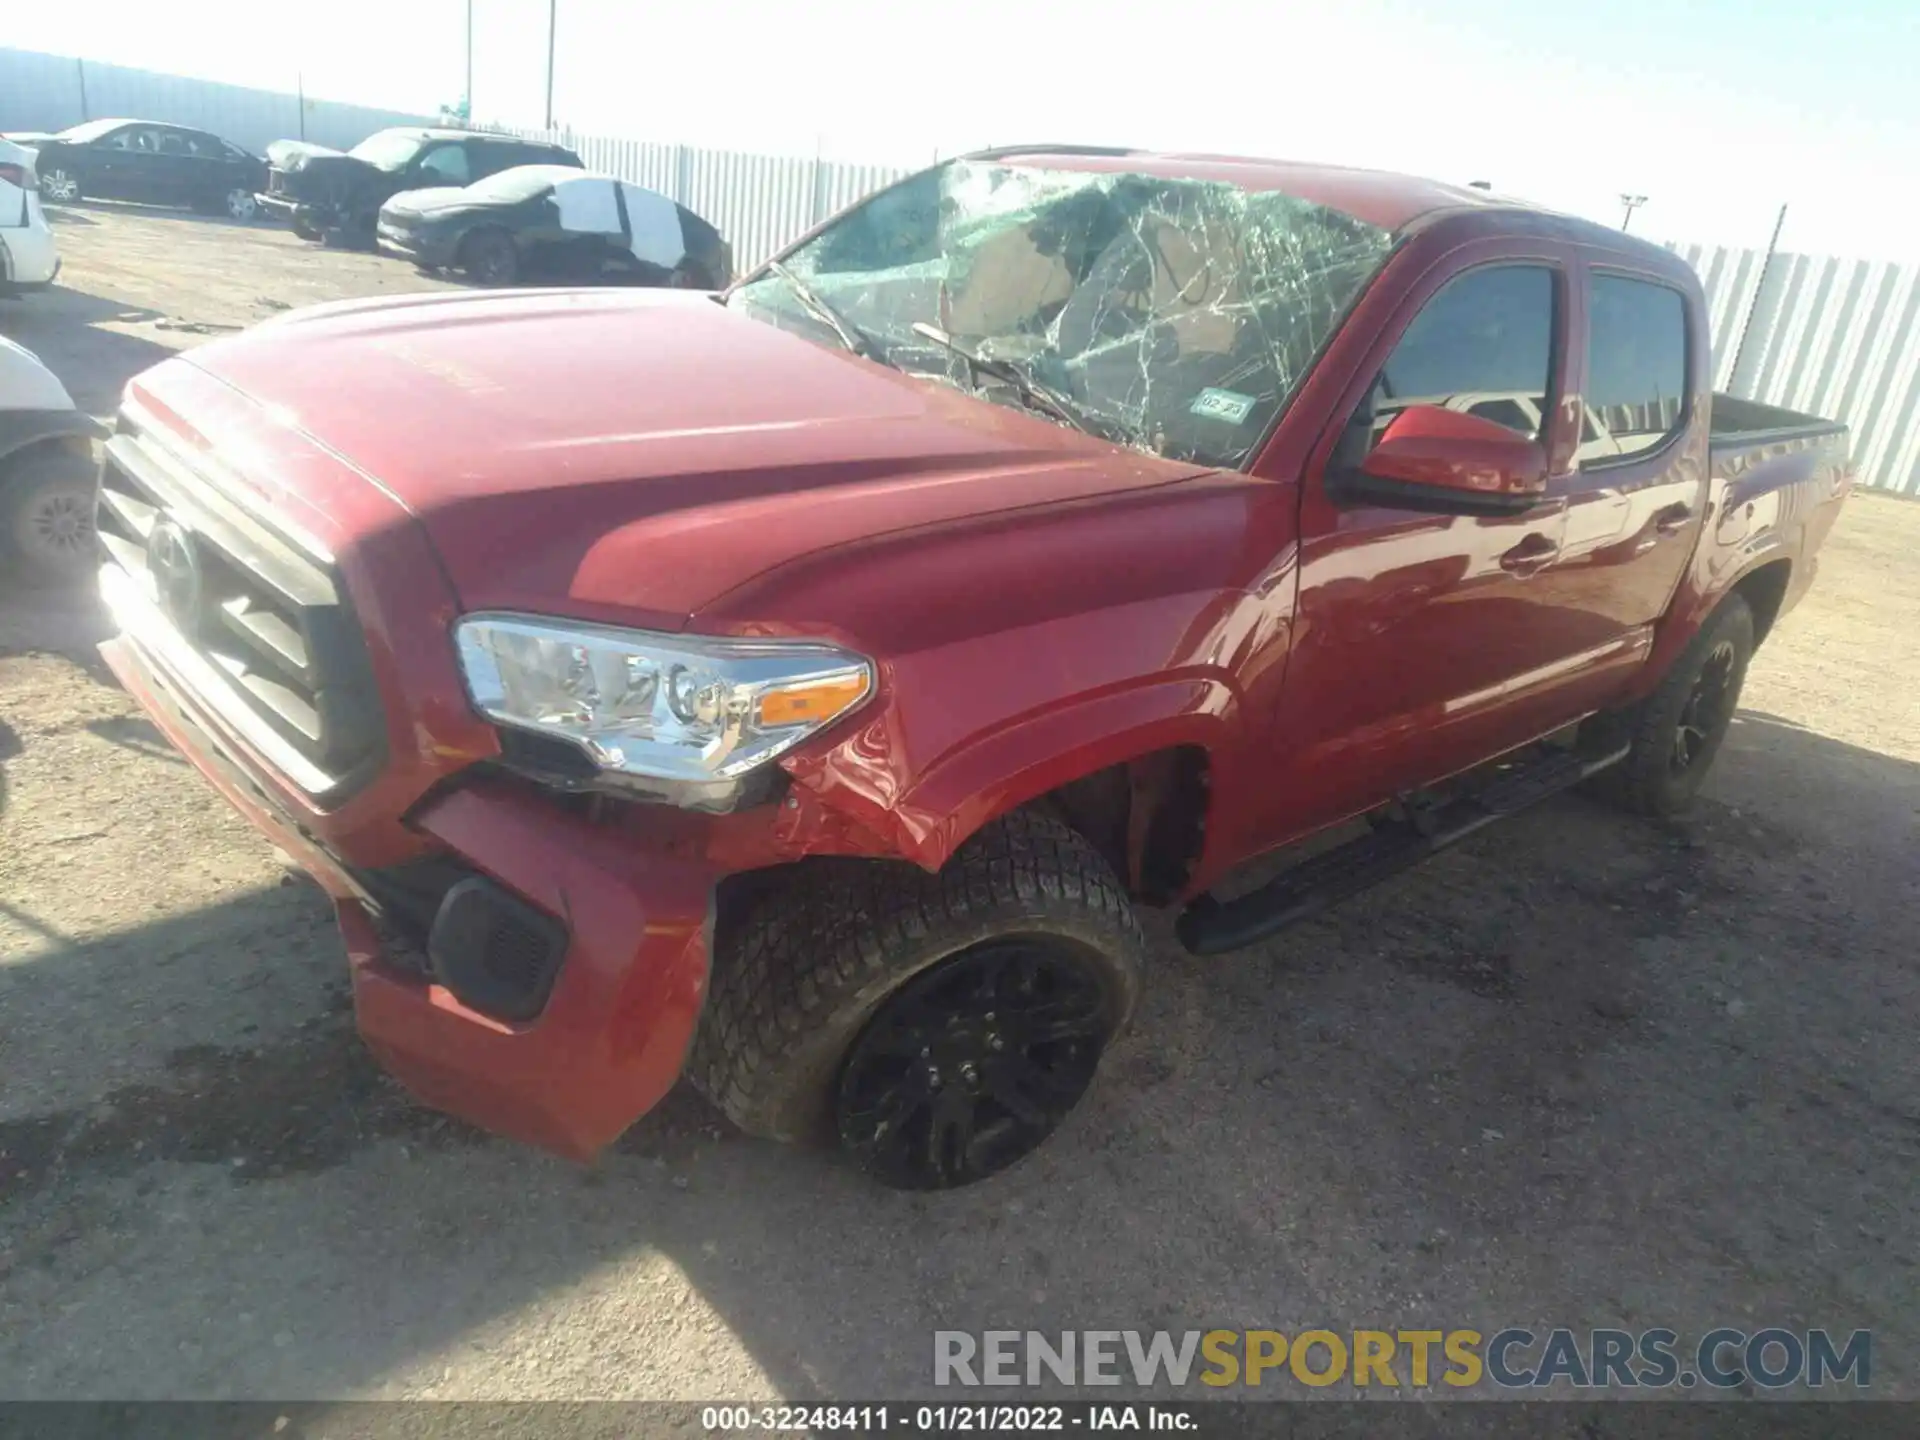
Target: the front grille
(258, 626)
(276, 182)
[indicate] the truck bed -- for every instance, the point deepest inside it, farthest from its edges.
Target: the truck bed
(1737, 422)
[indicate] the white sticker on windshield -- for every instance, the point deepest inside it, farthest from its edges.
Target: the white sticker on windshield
(1228, 405)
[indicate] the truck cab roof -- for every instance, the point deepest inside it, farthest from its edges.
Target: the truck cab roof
(1391, 201)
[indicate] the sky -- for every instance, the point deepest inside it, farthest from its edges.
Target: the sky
(1718, 111)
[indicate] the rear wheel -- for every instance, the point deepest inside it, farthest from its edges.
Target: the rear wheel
(1676, 732)
(933, 1028)
(489, 258)
(46, 515)
(60, 185)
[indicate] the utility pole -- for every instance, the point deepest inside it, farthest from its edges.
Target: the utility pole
(300, 99)
(553, 20)
(466, 96)
(1633, 203)
(80, 68)
(1746, 321)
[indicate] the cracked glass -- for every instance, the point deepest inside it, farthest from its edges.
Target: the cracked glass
(1169, 315)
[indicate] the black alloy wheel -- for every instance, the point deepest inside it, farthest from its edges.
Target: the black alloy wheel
(972, 1065)
(1708, 708)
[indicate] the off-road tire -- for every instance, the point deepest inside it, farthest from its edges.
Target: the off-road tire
(811, 961)
(1647, 782)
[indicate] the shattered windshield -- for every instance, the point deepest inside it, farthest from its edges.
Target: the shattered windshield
(1170, 315)
(389, 149)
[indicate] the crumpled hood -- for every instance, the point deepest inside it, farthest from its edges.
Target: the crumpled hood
(317, 175)
(292, 155)
(636, 455)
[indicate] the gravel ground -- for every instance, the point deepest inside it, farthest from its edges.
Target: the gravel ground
(1582, 1070)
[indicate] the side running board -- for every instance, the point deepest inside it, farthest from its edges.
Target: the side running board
(1212, 927)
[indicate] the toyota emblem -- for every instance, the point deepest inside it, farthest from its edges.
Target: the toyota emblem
(173, 560)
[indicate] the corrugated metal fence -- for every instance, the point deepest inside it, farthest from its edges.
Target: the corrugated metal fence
(759, 202)
(51, 92)
(1839, 338)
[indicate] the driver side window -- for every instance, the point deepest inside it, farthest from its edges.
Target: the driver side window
(447, 165)
(1483, 345)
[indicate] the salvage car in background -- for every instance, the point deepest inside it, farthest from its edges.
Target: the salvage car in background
(27, 257)
(336, 197)
(144, 160)
(553, 222)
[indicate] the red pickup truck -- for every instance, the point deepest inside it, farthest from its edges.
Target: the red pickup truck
(799, 688)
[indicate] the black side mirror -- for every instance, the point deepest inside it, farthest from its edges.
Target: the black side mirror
(1356, 436)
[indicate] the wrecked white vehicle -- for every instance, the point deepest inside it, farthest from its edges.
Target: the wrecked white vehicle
(552, 222)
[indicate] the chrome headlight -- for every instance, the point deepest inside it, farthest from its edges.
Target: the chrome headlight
(666, 707)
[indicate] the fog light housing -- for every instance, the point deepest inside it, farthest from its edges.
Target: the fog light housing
(495, 952)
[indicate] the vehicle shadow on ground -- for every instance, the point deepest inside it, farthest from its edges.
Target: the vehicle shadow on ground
(69, 331)
(68, 620)
(74, 212)
(1583, 1070)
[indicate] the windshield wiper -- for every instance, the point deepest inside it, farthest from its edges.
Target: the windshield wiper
(1031, 390)
(850, 334)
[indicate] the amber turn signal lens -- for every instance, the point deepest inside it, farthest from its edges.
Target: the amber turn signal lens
(810, 704)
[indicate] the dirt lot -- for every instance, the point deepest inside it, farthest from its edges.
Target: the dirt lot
(1581, 1071)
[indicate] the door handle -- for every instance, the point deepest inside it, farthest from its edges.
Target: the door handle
(1529, 555)
(1673, 519)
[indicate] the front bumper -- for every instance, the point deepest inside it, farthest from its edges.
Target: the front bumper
(285, 207)
(414, 248)
(614, 1034)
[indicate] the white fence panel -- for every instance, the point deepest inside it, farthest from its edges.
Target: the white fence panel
(1839, 338)
(760, 203)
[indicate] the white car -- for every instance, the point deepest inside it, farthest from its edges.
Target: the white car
(28, 259)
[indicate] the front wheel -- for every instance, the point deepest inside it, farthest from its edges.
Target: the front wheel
(1676, 732)
(932, 1028)
(488, 257)
(240, 204)
(46, 516)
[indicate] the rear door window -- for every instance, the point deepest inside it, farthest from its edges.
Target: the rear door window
(1636, 368)
(138, 139)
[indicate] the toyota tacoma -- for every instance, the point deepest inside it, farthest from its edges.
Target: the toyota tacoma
(801, 689)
